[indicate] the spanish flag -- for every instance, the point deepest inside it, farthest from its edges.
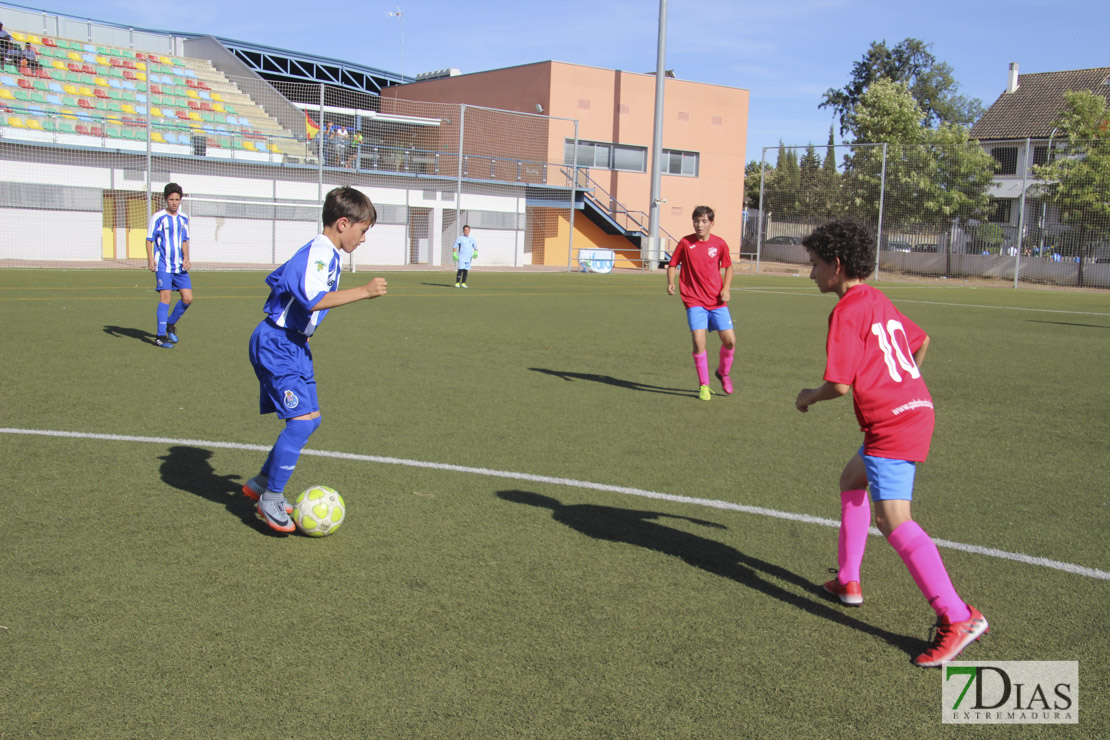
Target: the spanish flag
(310, 126)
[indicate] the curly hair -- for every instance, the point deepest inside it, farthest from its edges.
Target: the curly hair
(847, 240)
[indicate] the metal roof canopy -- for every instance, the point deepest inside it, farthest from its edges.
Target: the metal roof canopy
(291, 66)
(373, 114)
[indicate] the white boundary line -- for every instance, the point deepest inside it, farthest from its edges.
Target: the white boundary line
(572, 483)
(799, 292)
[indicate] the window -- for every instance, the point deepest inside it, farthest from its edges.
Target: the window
(1007, 159)
(1040, 153)
(680, 163)
(1000, 211)
(606, 156)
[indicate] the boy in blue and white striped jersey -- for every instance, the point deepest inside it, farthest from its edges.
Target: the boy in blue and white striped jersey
(302, 291)
(167, 256)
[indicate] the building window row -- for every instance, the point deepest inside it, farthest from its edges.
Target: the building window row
(626, 158)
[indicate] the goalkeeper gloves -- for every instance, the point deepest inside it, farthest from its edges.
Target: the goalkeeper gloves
(475, 255)
(455, 256)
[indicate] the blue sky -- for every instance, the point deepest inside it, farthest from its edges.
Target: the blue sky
(786, 53)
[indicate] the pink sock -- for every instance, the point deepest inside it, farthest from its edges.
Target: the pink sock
(701, 362)
(855, 520)
(726, 361)
(919, 553)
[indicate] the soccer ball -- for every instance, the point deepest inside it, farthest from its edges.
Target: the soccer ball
(319, 511)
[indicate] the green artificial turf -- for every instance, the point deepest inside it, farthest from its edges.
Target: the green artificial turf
(505, 570)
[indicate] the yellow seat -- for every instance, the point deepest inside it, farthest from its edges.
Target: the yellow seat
(18, 36)
(70, 117)
(58, 64)
(101, 82)
(155, 136)
(156, 112)
(128, 108)
(16, 122)
(194, 116)
(249, 145)
(75, 56)
(192, 93)
(165, 60)
(33, 123)
(31, 38)
(218, 107)
(217, 98)
(140, 66)
(140, 76)
(70, 89)
(85, 91)
(6, 94)
(102, 60)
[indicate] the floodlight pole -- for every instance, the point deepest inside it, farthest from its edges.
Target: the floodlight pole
(657, 137)
(399, 14)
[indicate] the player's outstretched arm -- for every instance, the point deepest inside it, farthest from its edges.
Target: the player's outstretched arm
(827, 392)
(373, 289)
(670, 280)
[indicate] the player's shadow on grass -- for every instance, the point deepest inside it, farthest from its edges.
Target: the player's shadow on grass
(439, 285)
(1069, 323)
(610, 380)
(188, 469)
(126, 331)
(638, 528)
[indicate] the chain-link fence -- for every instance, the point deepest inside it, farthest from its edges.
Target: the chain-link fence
(1017, 213)
(91, 133)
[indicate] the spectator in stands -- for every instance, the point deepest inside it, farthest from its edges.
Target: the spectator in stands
(31, 58)
(9, 50)
(354, 150)
(341, 140)
(167, 255)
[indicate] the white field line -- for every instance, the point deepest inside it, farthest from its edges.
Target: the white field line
(572, 483)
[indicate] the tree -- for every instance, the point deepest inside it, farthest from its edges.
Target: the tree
(830, 182)
(1080, 182)
(781, 186)
(932, 176)
(753, 171)
(929, 81)
(809, 182)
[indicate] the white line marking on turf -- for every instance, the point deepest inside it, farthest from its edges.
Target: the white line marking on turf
(800, 292)
(572, 483)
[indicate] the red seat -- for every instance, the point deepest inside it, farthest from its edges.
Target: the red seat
(42, 74)
(128, 64)
(26, 84)
(129, 75)
(194, 104)
(203, 85)
(73, 67)
(116, 62)
(101, 93)
(49, 42)
(206, 106)
(26, 71)
(191, 82)
(85, 103)
(96, 131)
(88, 69)
(140, 56)
(156, 89)
(82, 129)
(183, 115)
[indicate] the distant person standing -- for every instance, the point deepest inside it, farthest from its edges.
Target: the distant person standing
(705, 294)
(7, 46)
(167, 256)
(465, 250)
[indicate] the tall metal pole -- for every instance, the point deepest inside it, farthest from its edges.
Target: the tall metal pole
(1021, 214)
(657, 137)
(573, 200)
(882, 197)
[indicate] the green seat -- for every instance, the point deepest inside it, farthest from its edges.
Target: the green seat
(207, 117)
(11, 69)
(116, 52)
(115, 72)
(57, 74)
(113, 132)
(74, 77)
(101, 104)
(61, 43)
(237, 144)
(37, 97)
(178, 62)
(49, 124)
(229, 109)
(224, 142)
(21, 94)
(41, 85)
(66, 127)
(115, 107)
(115, 94)
(128, 96)
(102, 51)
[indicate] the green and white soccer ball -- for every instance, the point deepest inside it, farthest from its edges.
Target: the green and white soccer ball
(319, 511)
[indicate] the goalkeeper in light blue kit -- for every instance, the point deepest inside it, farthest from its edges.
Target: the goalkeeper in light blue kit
(301, 293)
(463, 252)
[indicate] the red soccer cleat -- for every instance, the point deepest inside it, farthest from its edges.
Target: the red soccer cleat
(951, 639)
(849, 593)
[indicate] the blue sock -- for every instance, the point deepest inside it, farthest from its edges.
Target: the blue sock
(163, 313)
(287, 450)
(177, 311)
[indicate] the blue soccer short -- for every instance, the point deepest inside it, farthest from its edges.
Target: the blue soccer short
(889, 479)
(282, 361)
(719, 319)
(172, 281)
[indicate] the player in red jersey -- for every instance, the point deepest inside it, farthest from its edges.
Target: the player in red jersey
(876, 351)
(705, 294)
